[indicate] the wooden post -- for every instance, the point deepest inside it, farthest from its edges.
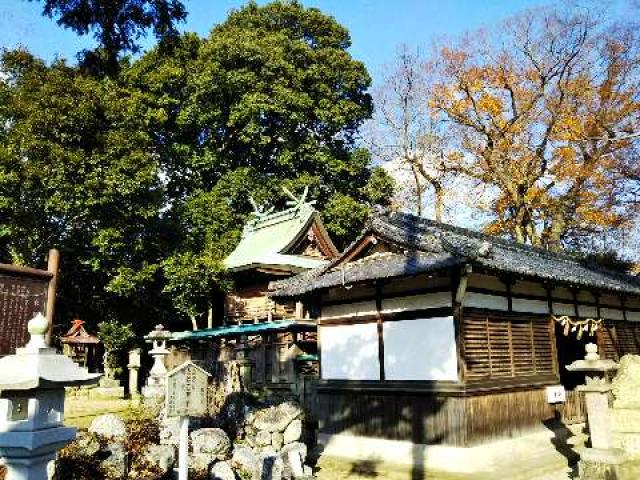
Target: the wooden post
(53, 264)
(183, 449)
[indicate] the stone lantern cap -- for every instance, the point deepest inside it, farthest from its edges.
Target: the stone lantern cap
(38, 366)
(159, 334)
(592, 362)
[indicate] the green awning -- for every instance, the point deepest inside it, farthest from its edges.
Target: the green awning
(244, 329)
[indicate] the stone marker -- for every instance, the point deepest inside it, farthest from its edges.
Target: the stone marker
(134, 367)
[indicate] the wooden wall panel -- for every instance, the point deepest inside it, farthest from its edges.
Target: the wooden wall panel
(506, 414)
(420, 418)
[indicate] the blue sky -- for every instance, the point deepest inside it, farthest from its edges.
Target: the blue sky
(377, 26)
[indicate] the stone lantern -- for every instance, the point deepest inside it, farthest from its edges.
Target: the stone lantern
(601, 460)
(157, 380)
(32, 390)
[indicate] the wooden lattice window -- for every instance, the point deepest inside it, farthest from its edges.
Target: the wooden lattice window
(618, 338)
(501, 347)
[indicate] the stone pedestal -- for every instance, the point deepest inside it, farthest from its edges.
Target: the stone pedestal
(134, 368)
(598, 464)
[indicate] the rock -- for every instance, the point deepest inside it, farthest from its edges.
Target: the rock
(199, 465)
(293, 456)
(276, 419)
(293, 432)
(245, 461)
(626, 384)
(86, 445)
(271, 466)
(109, 426)
(222, 471)
(263, 438)
(212, 442)
(277, 440)
(161, 456)
(114, 466)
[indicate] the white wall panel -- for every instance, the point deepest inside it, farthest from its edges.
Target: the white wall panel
(417, 302)
(633, 316)
(611, 314)
(529, 306)
(480, 300)
(587, 311)
(354, 309)
(350, 352)
(422, 349)
(564, 309)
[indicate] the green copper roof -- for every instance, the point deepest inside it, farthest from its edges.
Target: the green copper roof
(266, 240)
(246, 329)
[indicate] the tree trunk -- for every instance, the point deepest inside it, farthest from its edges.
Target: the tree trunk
(558, 227)
(194, 322)
(439, 207)
(416, 178)
(210, 316)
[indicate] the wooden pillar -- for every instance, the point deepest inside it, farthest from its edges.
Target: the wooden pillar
(380, 330)
(53, 264)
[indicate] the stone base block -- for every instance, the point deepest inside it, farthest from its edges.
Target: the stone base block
(596, 464)
(107, 393)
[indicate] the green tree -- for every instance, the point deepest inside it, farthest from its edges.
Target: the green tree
(117, 25)
(77, 172)
(271, 98)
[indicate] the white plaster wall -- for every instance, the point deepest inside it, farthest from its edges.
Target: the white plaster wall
(564, 309)
(422, 349)
(350, 352)
(587, 311)
(480, 300)
(529, 306)
(417, 302)
(633, 316)
(611, 314)
(354, 309)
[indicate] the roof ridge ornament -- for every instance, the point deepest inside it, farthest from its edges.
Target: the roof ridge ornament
(297, 202)
(260, 211)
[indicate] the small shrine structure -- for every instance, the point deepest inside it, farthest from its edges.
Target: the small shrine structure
(267, 336)
(80, 345)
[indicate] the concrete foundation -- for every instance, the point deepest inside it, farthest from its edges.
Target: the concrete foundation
(510, 458)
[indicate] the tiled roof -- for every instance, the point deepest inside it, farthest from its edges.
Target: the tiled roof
(430, 246)
(265, 241)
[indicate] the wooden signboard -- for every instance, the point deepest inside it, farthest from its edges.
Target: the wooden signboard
(186, 397)
(187, 391)
(21, 298)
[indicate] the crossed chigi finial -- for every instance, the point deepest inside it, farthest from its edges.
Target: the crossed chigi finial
(261, 211)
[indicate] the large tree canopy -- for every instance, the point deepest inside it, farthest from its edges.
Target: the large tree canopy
(117, 25)
(144, 178)
(76, 172)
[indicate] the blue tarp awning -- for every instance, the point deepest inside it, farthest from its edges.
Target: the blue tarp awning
(244, 329)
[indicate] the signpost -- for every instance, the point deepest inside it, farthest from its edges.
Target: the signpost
(186, 397)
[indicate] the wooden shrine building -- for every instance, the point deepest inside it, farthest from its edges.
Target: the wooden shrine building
(274, 335)
(81, 346)
(434, 334)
